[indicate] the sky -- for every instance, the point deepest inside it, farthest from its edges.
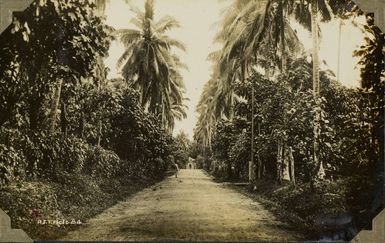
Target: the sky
(199, 24)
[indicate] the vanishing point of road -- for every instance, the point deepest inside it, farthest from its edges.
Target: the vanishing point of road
(191, 207)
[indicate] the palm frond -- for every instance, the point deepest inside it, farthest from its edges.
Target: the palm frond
(148, 62)
(166, 23)
(129, 36)
(137, 22)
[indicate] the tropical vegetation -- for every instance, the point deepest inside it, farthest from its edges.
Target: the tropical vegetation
(63, 123)
(271, 116)
(151, 66)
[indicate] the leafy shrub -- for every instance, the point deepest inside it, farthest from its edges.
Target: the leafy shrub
(61, 154)
(12, 164)
(101, 162)
(16, 154)
(305, 205)
(28, 154)
(21, 199)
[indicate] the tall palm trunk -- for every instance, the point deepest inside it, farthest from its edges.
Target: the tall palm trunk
(99, 133)
(99, 125)
(251, 163)
(101, 8)
(316, 90)
(285, 147)
(282, 33)
(101, 77)
(209, 138)
(55, 104)
(64, 119)
(259, 161)
(279, 159)
(231, 115)
(339, 51)
(291, 164)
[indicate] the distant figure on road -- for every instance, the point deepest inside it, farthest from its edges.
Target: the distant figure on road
(191, 164)
(176, 169)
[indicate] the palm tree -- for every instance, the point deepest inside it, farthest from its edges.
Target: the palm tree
(339, 50)
(232, 62)
(177, 112)
(255, 28)
(149, 64)
(307, 13)
(281, 41)
(207, 109)
(254, 32)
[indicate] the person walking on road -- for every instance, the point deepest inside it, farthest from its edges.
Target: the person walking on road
(176, 169)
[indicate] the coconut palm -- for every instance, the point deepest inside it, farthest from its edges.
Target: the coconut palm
(207, 110)
(203, 130)
(255, 28)
(148, 62)
(309, 13)
(253, 32)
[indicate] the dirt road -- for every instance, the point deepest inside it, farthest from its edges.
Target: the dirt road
(191, 207)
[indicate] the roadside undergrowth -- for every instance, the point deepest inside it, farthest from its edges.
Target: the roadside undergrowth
(47, 210)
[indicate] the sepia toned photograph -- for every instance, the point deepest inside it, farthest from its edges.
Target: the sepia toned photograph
(191, 120)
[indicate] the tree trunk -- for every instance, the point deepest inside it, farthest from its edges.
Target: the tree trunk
(229, 172)
(99, 132)
(316, 91)
(285, 157)
(55, 104)
(286, 162)
(282, 32)
(259, 161)
(251, 166)
(231, 115)
(279, 160)
(339, 52)
(251, 172)
(259, 166)
(291, 164)
(63, 119)
(264, 169)
(209, 139)
(99, 122)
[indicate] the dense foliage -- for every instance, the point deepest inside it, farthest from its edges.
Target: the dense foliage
(52, 40)
(285, 111)
(271, 116)
(268, 114)
(52, 70)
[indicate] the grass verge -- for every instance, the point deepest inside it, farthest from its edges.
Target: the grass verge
(320, 213)
(71, 198)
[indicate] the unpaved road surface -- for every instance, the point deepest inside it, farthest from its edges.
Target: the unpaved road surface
(191, 207)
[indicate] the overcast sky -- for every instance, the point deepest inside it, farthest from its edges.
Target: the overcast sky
(197, 19)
